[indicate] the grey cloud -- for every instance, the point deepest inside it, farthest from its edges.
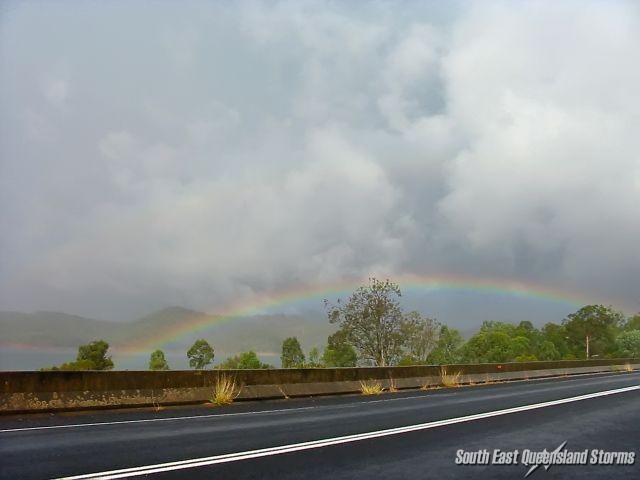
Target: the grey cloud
(223, 151)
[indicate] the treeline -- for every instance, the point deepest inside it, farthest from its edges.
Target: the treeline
(373, 330)
(373, 323)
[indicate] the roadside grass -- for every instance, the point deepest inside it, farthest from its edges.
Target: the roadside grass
(622, 368)
(156, 404)
(448, 379)
(224, 390)
(284, 394)
(392, 385)
(371, 387)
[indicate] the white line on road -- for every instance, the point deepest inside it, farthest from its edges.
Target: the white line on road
(213, 415)
(295, 447)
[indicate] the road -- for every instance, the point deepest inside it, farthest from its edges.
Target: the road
(339, 437)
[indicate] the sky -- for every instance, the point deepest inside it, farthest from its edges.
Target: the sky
(199, 153)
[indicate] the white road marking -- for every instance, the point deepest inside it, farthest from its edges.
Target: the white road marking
(234, 414)
(213, 415)
(148, 420)
(295, 447)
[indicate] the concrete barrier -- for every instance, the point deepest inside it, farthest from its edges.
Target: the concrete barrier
(65, 390)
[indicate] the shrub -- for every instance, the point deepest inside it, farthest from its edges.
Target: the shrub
(449, 379)
(224, 390)
(371, 387)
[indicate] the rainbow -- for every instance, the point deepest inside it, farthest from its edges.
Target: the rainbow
(260, 303)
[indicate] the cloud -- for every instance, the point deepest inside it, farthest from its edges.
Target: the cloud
(249, 148)
(57, 93)
(550, 144)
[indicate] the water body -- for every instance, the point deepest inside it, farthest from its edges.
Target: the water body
(16, 359)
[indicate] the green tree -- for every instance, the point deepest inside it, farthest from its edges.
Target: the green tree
(96, 353)
(557, 336)
(200, 354)
(92, 356)
(447, 348)
(628, 344)
(157, 361)
(244, 361)
(292, 354)
(420, 337)
(633, 323)
(548, 351)
(372, 318)
(594, 326)
(488, 346)
(313, 359)
(77, 365)
(339, 352)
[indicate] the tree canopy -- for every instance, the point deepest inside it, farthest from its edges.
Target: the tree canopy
(447, 347)
(596, 324)
(200, 354)
(292, 354)
(92, 356)
(96, 352)
(243, 361)
(372, 320)
(420, 337)
(157, 361)
(339, 352)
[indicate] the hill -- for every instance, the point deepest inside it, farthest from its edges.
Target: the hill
(261, 333)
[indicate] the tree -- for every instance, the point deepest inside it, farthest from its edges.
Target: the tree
(77, 365)
(200, 354)
(244, 361)
(313, 359)
(628, 344)
(548, 351)
(447, 348)
(592, 330)
(96, 353)
(557, 336)
(292, 355)
(633, 323)
(339, 352)
(157, 361)
(420, 336)
(92, 356)
(498, 342)
(372, 319)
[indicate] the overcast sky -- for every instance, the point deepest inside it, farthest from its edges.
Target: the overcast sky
(195, 153)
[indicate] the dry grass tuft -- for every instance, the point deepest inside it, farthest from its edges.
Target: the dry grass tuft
(449, 379)
(156, 404)
(392, 385)
(371, 387)
(622, 368)
(284, 394)
(224, 390)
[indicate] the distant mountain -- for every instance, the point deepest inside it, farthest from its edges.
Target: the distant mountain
(153, 324)
(261, 333)
(51, 329)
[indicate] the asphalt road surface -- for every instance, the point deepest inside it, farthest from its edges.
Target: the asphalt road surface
(407, 435)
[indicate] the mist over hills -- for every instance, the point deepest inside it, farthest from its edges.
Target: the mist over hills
(43, 332)
(51, 329)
